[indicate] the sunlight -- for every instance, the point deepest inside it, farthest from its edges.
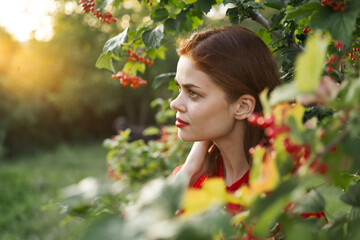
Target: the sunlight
(25, 19)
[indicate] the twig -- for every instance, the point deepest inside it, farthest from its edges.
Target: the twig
(257, 17)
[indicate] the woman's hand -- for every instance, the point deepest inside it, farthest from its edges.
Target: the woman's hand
(196, 163)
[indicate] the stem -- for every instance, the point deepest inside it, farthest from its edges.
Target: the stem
(257, 17)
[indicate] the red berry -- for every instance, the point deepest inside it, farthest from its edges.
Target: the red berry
(307, 151)
(333, 149)
(338, 44)
(342, 7)
(329, 69)
(334, 6)
(333, 58)
(253, 118)
(260, 121)
(306, 30)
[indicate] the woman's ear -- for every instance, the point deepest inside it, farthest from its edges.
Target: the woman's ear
(245, 107)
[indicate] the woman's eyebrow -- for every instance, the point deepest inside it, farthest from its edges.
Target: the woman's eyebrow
(187, 86)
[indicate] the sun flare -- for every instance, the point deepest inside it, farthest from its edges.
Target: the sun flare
(27, 18)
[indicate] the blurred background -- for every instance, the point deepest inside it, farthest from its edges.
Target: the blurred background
(56, 108)
(50, 90)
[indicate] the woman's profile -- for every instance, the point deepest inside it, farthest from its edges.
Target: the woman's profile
(220, 74)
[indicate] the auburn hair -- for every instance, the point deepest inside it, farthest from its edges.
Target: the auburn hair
(239, 62)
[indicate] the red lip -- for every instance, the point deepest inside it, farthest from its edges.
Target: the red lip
(180, 123)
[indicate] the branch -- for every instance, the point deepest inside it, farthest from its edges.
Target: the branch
(257, 17)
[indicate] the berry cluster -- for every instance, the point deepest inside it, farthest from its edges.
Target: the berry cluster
(354, 55)
(134, 57)
(268, 124)
(330, 64)
(299, 153)
(89, 6)
(336, 5)
(125, 80)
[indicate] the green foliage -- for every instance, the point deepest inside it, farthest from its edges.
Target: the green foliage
(137, 162)
(341, 25)
(152, 38)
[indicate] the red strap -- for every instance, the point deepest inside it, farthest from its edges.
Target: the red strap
(177, 169)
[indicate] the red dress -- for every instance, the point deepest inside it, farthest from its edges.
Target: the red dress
(232, 208)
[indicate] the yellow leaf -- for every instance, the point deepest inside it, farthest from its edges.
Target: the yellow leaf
(215, 187)
(256, 168)
(270, 176)
(297, 112)
(199, 200)
(309, 65)
(243, 196)
(283, 111)
(264, 180)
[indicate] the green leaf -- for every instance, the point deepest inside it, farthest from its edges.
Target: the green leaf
(154, 53)
(209, 224)
(205, 5)
(283, 93)
(152, 38)
(352, 196)
(159, 14)
(117, 3)
(171, 24)
(340, 24)
(297, 230)
(105, 61)
(309, 65)
(265, 211)
(354, 214)
(310, 202)
(114, 44)
(131, 68)
(104, 226)
(352, 97)
(233, 14)
(177, 4)
(196, 21)
(277, 4)
(251, 4)
(303, 8)
(102, 3)
(151, 131)
(163, 78)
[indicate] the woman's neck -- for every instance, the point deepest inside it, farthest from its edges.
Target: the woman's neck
(234, 157)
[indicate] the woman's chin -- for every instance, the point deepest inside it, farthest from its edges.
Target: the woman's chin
(185, 138)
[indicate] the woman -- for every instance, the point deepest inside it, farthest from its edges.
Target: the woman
(220, 74)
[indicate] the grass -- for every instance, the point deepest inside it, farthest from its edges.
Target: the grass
(30, 183)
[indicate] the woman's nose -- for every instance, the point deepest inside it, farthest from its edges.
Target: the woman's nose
(177, 104)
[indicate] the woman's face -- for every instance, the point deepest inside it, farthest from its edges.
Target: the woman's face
(202, 110)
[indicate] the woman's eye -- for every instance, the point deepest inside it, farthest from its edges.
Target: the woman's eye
(193, 94)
